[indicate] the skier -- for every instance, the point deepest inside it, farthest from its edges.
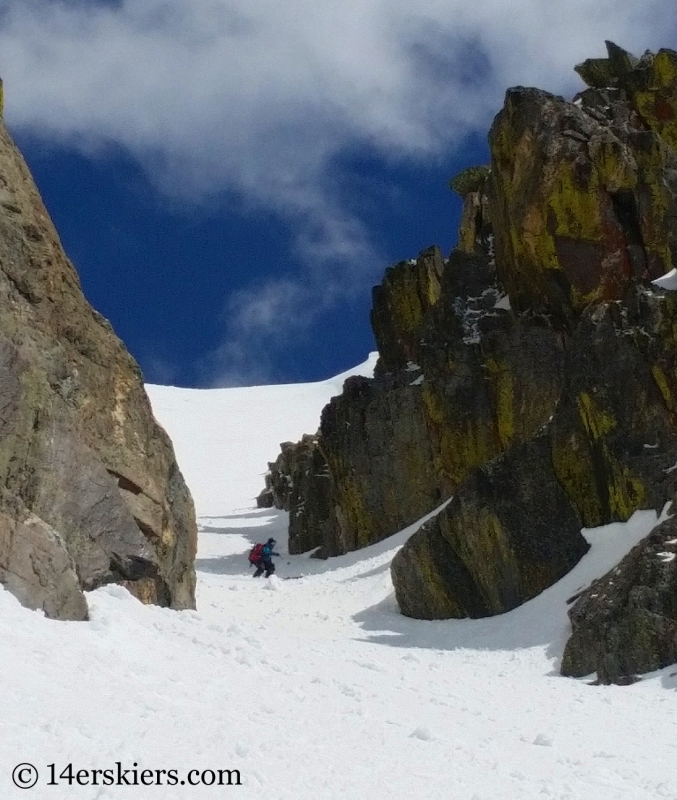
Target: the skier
(264, 560)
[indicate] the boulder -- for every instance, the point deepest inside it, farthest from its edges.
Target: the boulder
(652, 88)
(610, 71)
(80, 453)
(265, 498)
(509, 533)
(276, 493)
(625, 623)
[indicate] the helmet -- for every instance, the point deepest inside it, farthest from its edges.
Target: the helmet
(271, 541)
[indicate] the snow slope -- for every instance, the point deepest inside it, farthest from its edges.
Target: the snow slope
(317, 688)
(224, 438)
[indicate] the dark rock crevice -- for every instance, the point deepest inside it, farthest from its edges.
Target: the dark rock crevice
(625, 207)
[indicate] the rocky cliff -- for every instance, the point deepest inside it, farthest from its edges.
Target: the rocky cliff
(531, 374)
(90, 491)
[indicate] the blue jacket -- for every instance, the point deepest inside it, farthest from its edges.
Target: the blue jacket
(267, 552)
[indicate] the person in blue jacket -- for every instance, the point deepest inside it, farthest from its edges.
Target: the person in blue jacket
(266, 561)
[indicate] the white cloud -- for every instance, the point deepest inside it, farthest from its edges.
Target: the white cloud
(258, 321)
(257, 97)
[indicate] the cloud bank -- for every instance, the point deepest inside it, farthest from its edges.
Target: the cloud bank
(257, 98)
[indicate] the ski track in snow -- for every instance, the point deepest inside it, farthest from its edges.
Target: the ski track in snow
(318, 688)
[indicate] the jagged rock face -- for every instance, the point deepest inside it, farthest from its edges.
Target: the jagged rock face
(377, 448)
(654, 315)
(509, 532)
(475, 233)
(613, 435)
(490, 378)
(555, 408)
(649, 82)
(298, 481)
(396, 446)
(584, 203)
(400, 305)
(35, 565)
(608, 452)
(476, 381)
(265, 498)
(79, 447)
(278, 479)
(625, 623)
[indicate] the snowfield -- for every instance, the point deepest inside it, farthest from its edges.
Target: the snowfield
(317, 688)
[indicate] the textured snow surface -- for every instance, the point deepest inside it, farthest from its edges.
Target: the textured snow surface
(317, 687)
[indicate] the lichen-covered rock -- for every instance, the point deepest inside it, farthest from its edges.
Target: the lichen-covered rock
(611, 443)
(653, 92)
(610, 71)
(398, 445)
(509, 533)
(649, 83)
(625, 623)
(400, 304)
(79, 447)
(583, 204)
(491, 378)
(534, 371)
(613, 435)
(470, 180)
(475, 233)
(377, 448)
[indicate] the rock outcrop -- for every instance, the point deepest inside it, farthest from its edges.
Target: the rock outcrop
(298, 481)
(532, 374)
(626, 622)
(90, 489)
(509, 532)
(459, 380)
(583, 202)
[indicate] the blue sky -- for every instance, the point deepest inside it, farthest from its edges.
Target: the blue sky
(231, 177)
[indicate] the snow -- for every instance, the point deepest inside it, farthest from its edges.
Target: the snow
(667, 281)
(503, 302)
(226, 437)
(318, 688)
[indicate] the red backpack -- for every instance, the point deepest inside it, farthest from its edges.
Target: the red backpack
(255, 555)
